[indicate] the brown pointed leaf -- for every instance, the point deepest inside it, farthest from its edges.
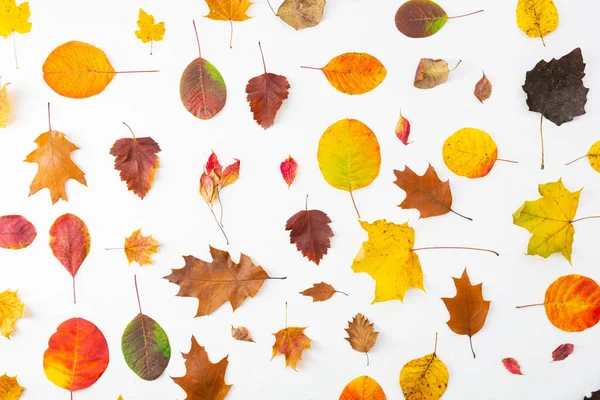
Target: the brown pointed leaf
(311, 233)
(320, 291)
(291, 342)
(426, 193)
(137, 162)
(361, 334)
(266, 93)
(242, 334)
(468, 310)
(217, 282)
(203, 380)
(483, 89)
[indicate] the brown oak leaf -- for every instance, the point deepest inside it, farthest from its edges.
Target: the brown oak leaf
(483, 89)
(311, 233)
(291, 342)
(361, 334)
(217, 282)
(468, 310)
(321, 291)
(203, 380)
(137, 162)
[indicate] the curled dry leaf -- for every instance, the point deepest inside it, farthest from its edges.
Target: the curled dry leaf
(320, 291)
(431, 73)
(537, 18)
(11, 310)
(10, 388)
(512, 366)
(363, 388)
(241, 333)
(149, 31)
(361, 334)
(16, 232)
(311, 233)
(483, 89)
(139, 248)
(563, 351)
(291, 342)
(4, 106)
(289, 168)
(470, 152)
(403, 129)
(300, 14)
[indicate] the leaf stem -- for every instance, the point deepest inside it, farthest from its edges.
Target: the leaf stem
(137, 293)
(435, 345)
(263, 57)
(271, 7)
(231, 34)
(456, 66)
(151, 44)
(130, 130)
(339, 291)
(508, 161)
(74, 293)
(466, 15)
(217, 222)
(577, 159)
(455, 248)
(531, 305)
(584, 218)
(221, 207)
(15, 49)
(542, 139)
(286, 314)
(197, 40)
(136, 72)
(471, 343)
(368, 362)
(114, 248)
(460, 215)
(49, 124)
(354, 204)
(305, 67)
(306, 203)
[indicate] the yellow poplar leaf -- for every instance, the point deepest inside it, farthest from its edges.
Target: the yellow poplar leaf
(593, 156)
(470, 152)
(388, 257)
(550, 220)
(149, 30)
(4, 106)
(11, 309)
(13, 18)
(139, 248)
(537, 18)
(424, 378)
(10, 388)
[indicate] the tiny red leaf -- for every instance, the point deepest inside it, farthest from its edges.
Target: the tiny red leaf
(563, 351)
(289, 168)
(512, 366)
(403, 129)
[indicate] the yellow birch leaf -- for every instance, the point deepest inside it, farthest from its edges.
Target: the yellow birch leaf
(139, 248)
(424, 378)
(11, 309)
(550, 220)
(4, 106)
(10, 388)
(13, 18)
(149, 30)
(537, 18)
(388, 257)
(470, 152)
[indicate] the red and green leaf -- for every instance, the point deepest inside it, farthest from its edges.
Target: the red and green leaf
(146, 347)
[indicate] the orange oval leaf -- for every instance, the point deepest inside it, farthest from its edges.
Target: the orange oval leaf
(572, 303)
(363, 388)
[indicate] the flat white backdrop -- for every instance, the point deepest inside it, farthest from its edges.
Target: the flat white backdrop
(258, 205)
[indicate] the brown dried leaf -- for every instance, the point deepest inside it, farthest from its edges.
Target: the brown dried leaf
(483, 89)
(242, 334)
(361, 334)
(300, 14)
(320, 291)
(431, 73)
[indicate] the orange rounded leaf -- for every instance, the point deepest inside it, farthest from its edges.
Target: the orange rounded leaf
(572, 303)
(363, 388)
(354, 73)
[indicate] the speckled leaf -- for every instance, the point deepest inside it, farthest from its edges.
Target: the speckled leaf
(202, 89)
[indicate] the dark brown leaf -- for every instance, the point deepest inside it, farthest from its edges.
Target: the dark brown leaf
(310, 231)
(594, 396)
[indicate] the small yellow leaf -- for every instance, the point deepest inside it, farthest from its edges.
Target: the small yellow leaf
(11, 309)
(424, 378)
(10, 388)
(594, 156)
(228, 10)
(13, 18)
(470, 152)
(139, 248)
(537, 18)
(149, 30)
(4, 106)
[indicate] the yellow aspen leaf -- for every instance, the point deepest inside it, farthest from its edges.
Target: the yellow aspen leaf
(424, 378)
(228, 10)
(11, 309)
(149, 30)
(537, 18)
(550, 220)
(388, 257)
(4, 106)
(10, 388)
(470, 152)
(354, 73)
(139, 248)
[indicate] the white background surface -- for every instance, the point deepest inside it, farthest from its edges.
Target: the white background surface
(258, 205)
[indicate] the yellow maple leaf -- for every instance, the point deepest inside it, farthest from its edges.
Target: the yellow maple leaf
(4, 106)
(228, 10)
(139, 248)
(550, 220)
(149, 30)
(388, 257)
(10, 388)
(11, 309)
(14, 19)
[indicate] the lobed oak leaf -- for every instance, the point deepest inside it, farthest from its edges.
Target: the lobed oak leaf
(291, 342)
(139, 248)
(10, 388)
(300, 14)
(483, 89)
(203, 380)
(512, 366)
(311, 233)
(11, 310)
(361, 334)
(288, 169)
(4, 106)
(363, 388)
(320, 291)
(563, 351)
(149, 30)
(241, 333)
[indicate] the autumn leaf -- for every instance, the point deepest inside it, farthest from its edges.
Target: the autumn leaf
(300, 14)
(424, 378)
(512, 366)
(349, 156)
(311, 233)
(16, 232)
(219, 281)
(403, 129)
(431, 73)
(266, 93)
(594, 396)
(145, 345)
(537, 18)
(289, 168)
(422, 18)
(468, 310)
(13, 19)
(593, 156)
(11, 310)
(228, 10)
(363, 388)
(354, 73)
(120, 397)
(470, 152)
(563, 351)
(550, 220)
(483, 89)
(70, 243)
(10, 388)
(321, 291)
(361, 334)
(77, 355)
(149, 30)
(242, 334)
(138, 248)
(572, 303)
(388, 257)
(203, 380)
(137, 162)
(55, 167)
(291, 342)
(427, 193)
(4, 106)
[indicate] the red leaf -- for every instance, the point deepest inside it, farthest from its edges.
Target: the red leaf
(512, 366)
(16, 232)
(403, 129)
(310, 231)
(213, 165)
(289, 168)
(231, 174)
(563, 351)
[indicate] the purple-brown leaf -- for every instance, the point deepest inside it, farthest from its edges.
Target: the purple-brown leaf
(311, 233)
(563, 351)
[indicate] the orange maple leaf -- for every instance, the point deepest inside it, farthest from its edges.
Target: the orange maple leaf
(139, 248)
(228, 10)
(291, 342)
